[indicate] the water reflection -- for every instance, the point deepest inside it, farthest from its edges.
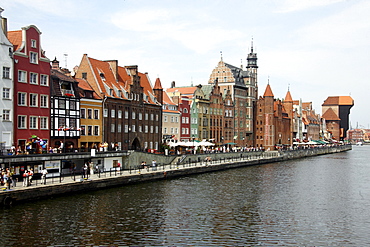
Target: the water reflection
(318, 201)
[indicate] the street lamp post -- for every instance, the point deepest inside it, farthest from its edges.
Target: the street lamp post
(193, 143)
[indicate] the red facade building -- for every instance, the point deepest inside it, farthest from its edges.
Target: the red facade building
(31, 90)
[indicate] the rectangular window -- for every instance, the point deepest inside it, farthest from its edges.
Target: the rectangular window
(62, 104)
(44, 80)
(133, 128)
(22, 122)
(133, 115)
(72, 123)
(33, 57)
(140, 116)
(22, 76)
(89, 130)
(112, 113)
(6, 72)
(6, 93)
(44, 101)
(172, 119)
(119, 114)
(146, 116)
(96, 114)
(33, 100)
(165, 119)
(126, 114)
(72, 105)
(151, 129)
(157, 117)
(96, 130)
(44, 123)
(105, 113)
(119, 128)
(140, 128)
(156, 129)
(126, 128)
(6, 115)
(112, 128)
(89, 113)
(152, 117)
(22, 99)
(33, 78)
(165, 130)
(146, 129)
(83, 130)
(33, 43)
(83, 113)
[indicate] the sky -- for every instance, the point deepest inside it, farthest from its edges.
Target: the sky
(314, 48)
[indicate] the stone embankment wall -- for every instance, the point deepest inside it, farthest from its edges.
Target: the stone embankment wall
(225, 161)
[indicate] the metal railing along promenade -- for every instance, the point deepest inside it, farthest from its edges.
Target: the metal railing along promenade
(78, 176)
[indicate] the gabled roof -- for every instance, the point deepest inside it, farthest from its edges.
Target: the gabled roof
(119, 79)
(85, 86)
(183, 90)
(238, 74)
(15, 37)
(268, 92)
(167, 100)
(61, 76)
(207, 89)
(330, 115)
(338, 100)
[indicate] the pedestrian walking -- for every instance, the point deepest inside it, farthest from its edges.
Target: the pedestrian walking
(43, 175)
(154, 165)
(25, 178)
(30, 176)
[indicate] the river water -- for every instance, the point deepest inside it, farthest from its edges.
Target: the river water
(318, 201)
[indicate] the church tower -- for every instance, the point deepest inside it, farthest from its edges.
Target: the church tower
(252, 94)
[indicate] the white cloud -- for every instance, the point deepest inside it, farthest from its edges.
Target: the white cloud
(345, 29)
(299, 5)
(196, 32)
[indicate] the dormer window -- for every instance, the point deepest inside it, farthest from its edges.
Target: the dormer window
(102, 76)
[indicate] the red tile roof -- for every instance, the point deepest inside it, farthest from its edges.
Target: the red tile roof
(268, 92)
(166, 99)
(15, 37)
(330, 115)
(338, 100)
(84, 85)
(158, 84)
(106, 78)
(288, 97)
(182, 90)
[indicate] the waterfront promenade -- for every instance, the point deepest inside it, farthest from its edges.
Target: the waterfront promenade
(75, 183)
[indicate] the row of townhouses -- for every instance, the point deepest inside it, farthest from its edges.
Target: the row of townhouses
(103, 105)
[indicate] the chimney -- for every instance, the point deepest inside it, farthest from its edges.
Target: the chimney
(132, 69)
(4, 23)
(172, 84)
(114, 67)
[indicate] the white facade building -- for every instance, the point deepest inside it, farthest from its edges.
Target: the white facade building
(6, 87)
